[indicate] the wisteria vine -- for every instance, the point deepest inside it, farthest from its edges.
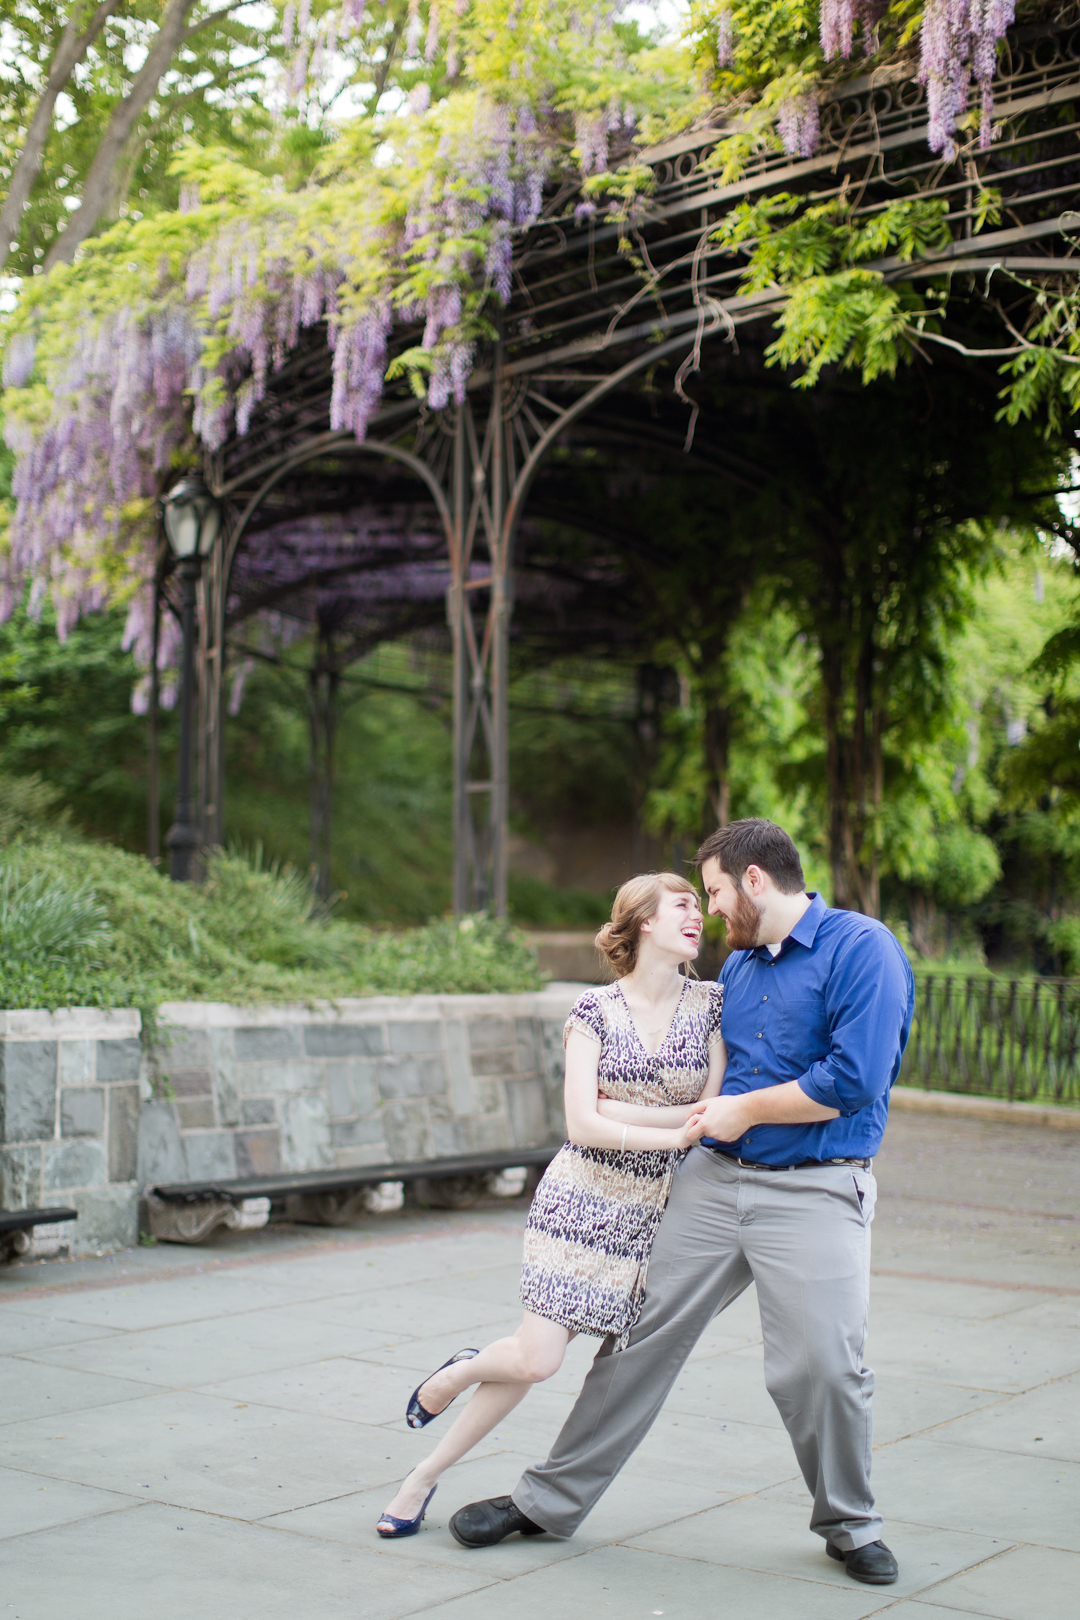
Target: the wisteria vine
(958, 48)
(108, 408)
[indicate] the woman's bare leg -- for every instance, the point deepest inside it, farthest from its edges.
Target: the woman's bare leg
(528, 1356)
(536, 1351)
(488, 1407)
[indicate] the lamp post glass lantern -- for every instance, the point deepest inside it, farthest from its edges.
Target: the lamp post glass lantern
(192, 519)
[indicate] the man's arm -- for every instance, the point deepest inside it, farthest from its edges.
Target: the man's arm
(725, 1119)
(868, 999)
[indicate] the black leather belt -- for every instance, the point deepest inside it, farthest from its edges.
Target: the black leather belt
(803, 1164)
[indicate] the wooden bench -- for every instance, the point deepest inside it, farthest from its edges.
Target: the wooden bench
(17, 1226)
(187, 1212)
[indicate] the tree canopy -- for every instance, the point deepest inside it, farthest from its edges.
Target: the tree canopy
(361, 166)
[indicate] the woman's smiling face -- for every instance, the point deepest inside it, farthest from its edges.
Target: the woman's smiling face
(675, 928)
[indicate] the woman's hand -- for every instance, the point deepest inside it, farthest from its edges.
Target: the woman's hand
(682, 1136)
(723, 1118)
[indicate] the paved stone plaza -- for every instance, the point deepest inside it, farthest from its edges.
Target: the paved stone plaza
(215, 1430)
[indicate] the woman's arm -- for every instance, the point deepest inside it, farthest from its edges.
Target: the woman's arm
(672, 1115)
(587, 1127)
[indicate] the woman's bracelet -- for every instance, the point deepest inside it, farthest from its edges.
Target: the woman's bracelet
(622, 1144)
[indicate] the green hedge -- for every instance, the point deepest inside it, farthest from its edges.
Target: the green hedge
(248, 933)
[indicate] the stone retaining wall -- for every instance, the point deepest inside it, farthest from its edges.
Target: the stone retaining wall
(89, 1119)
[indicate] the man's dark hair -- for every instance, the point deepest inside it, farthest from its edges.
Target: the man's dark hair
(754, 842)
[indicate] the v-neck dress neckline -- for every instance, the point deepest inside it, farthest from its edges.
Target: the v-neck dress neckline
(667, 1033)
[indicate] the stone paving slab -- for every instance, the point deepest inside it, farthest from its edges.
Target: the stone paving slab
(627, 1509)
(1025, 1583)
(1044, 1423)
(928, 1481)
(215, 1456)
(23, 1329)
(173, 1564)
(769, 1536)
(217, 1429)
(187, 1354)
(625, 1581)
(31, 1504)
(41, 1390)
(986, 1354)
(165, 1303)
(918, 1610)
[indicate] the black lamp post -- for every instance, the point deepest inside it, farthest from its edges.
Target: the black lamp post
(192, 523)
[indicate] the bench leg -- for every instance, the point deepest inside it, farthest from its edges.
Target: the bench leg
(12, 1245)
(191, 1223)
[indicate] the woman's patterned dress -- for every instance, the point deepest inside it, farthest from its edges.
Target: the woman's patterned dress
(596, 1210)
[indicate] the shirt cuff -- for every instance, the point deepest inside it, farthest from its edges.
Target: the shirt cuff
(819, 1088)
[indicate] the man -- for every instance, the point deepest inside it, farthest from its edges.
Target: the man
(779, 1191)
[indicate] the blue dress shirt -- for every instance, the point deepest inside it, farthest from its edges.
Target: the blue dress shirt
(833, 1011)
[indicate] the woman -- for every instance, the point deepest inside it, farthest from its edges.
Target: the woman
(640, 1053)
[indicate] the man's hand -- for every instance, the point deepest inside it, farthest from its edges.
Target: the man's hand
(723, 1118)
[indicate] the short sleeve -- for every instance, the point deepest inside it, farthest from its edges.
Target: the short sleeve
(716, 1005)
(586, 1015)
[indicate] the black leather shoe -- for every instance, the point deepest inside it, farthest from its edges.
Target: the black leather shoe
(482, 1524)
(873, 1564)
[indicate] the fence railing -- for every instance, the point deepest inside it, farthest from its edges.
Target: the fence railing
(1015, 1038)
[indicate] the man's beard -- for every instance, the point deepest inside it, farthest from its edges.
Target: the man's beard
(744, 925)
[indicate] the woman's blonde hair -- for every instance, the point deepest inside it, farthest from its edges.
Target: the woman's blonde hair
(635, 903)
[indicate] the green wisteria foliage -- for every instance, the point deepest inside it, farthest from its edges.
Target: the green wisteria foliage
(162, 333)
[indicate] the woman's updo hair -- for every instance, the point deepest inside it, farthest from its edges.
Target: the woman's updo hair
(635, 903)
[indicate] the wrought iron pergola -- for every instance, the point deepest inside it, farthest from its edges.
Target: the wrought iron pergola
(586, 319)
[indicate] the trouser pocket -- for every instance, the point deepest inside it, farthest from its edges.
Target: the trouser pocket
(865, 1193)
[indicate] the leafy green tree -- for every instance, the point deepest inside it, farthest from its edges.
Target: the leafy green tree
(65, 717)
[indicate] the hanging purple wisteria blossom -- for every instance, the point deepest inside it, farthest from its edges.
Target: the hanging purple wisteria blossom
(797, 125)
(725, 37)
(431, 43)
(591, 133)
(19, 360)
(502, 161)
(117, 420)
(838, 26)
(122, 389)
(359, 345)
(413, 29)
(959, 46)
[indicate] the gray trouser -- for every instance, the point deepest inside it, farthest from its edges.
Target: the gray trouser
(803, 1236)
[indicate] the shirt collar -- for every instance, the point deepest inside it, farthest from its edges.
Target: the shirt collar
(805, 930)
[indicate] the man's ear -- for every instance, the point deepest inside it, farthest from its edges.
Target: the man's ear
(755, 879)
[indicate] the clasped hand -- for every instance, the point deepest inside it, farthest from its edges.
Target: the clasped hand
(723, 1118)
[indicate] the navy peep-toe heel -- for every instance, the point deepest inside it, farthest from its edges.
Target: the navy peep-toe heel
(417, 1416)
(403, 1527)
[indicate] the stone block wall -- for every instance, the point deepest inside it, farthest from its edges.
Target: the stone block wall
(70, 1094)
(87, 1118)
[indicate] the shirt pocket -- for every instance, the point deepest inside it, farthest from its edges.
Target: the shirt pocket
(804, 1032)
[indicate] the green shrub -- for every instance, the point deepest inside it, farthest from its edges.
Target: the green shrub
(43, 919)
(542, 905)
(94, 926)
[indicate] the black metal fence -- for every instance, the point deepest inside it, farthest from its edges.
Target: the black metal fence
(1015, 1038)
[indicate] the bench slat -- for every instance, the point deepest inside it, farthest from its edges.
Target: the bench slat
(368, 1175)
(21, 1220)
